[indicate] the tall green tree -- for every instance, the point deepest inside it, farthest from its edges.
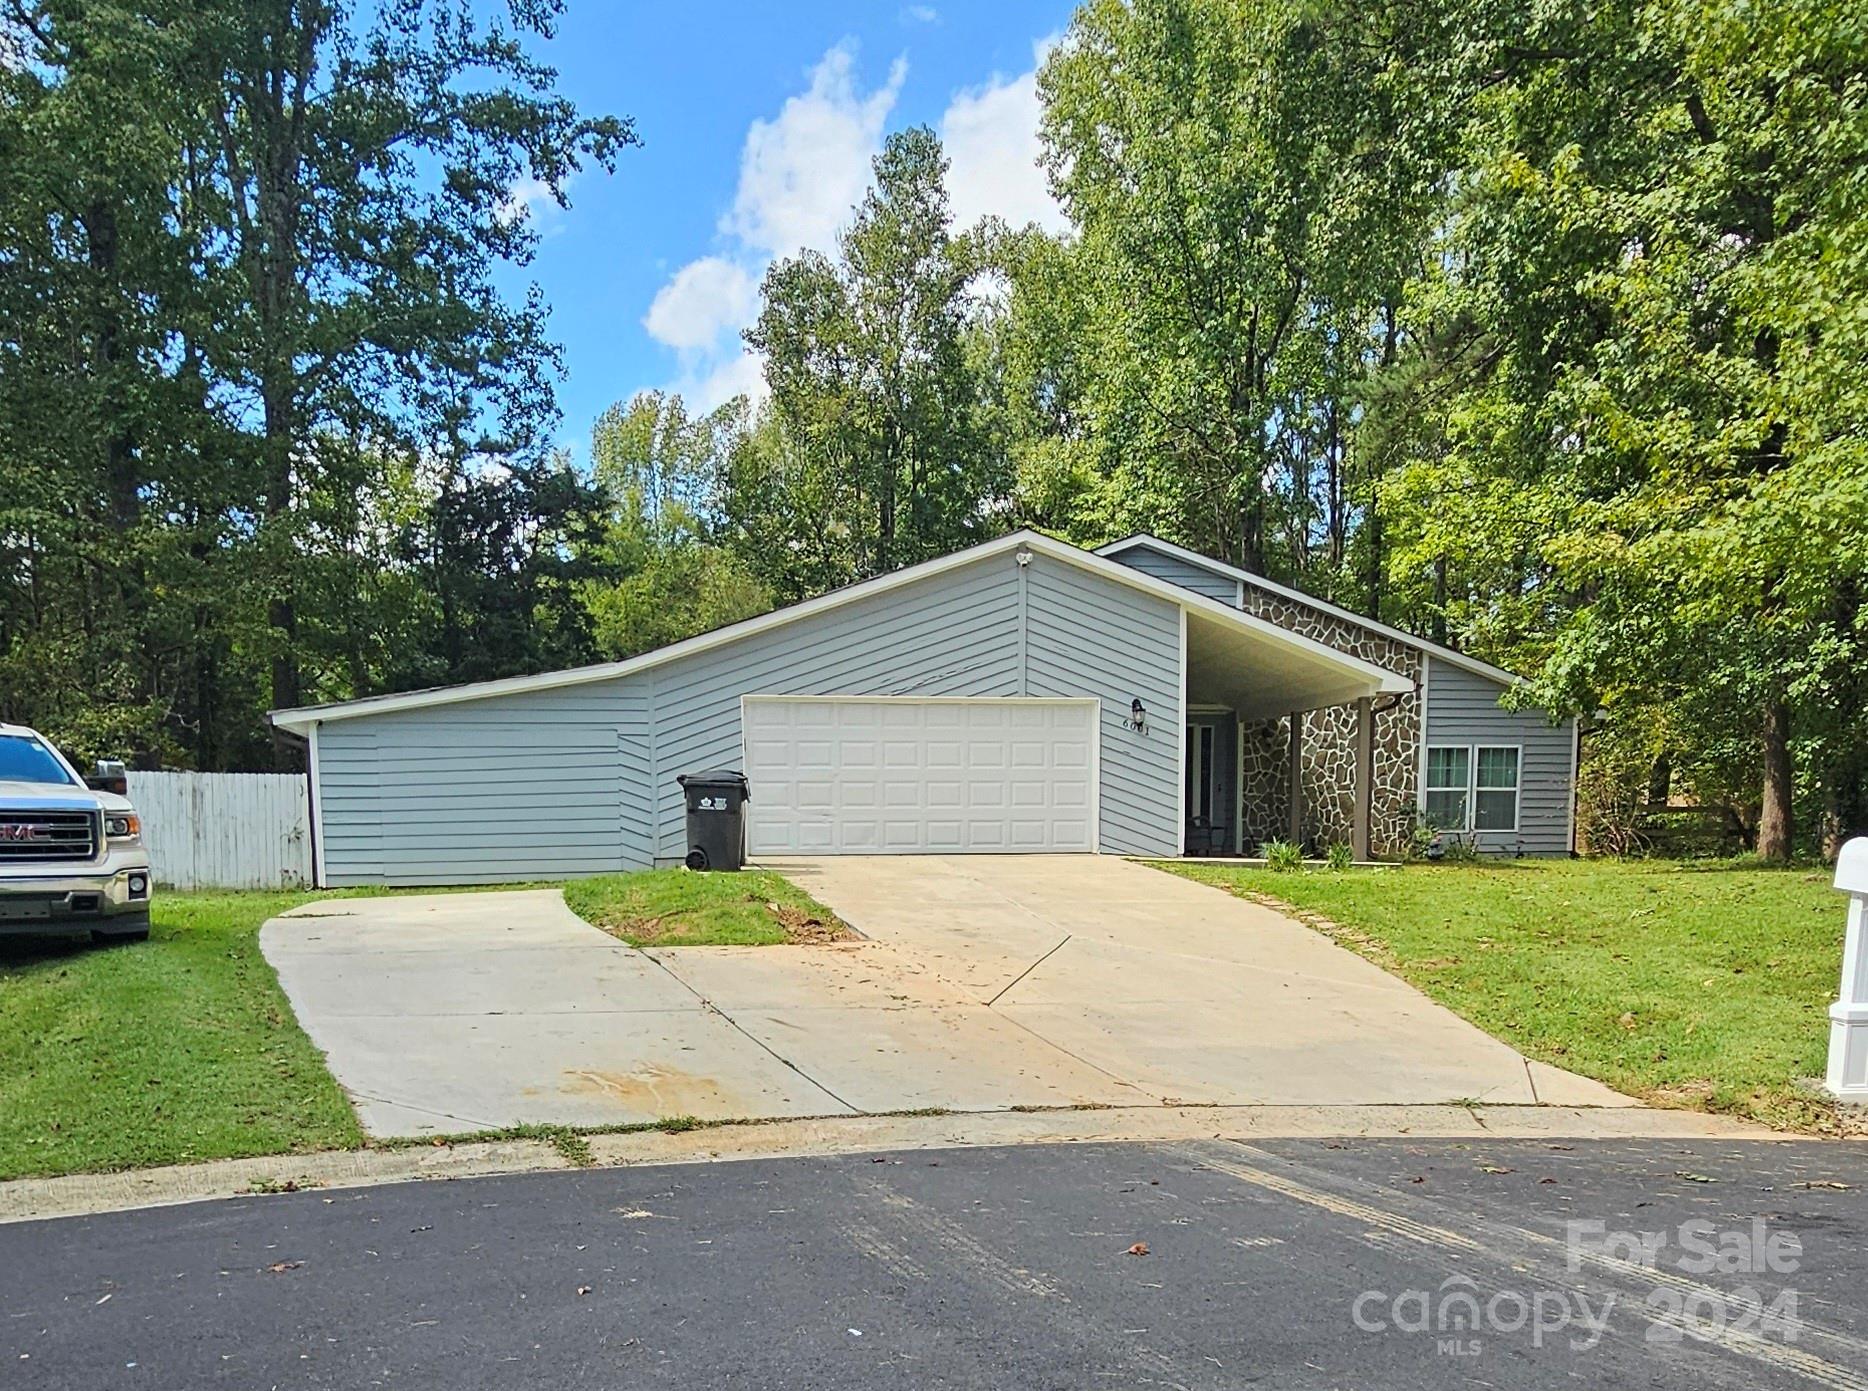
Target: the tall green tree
(362, 171)
(1646, 330)
(663, 477)
(1249, 199)
(250, 295)
(867, 360)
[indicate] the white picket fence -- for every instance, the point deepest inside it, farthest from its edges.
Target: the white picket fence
(225, 830)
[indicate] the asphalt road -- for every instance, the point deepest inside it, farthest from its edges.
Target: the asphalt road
(1283, 1264)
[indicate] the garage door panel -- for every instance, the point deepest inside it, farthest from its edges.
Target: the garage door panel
(984, 794)
(943, 794)
(901, 776)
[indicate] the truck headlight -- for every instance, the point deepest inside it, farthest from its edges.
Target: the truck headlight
(123, 826)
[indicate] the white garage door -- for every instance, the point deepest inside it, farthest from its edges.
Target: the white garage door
(903, 776)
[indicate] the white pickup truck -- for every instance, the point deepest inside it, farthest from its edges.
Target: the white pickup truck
(71, 853)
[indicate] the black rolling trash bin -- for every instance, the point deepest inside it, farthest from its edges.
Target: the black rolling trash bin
(716, 818)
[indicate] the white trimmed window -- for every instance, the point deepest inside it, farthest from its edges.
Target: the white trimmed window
(1495, 790)
(1449, 786)
(1472, 787)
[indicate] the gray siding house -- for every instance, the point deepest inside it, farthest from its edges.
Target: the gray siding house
(1444, 752)
(1023, 695)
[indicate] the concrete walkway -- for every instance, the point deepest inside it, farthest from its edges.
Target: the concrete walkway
(987, 983)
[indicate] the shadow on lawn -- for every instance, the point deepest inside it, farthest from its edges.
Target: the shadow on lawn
(23, 952)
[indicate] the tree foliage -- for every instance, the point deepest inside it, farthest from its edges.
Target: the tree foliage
(254, 366)
(871, 378)
(1541, 332)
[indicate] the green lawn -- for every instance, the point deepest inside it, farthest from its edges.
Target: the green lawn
(1702, 986)
(682, 908)
(177, 1049)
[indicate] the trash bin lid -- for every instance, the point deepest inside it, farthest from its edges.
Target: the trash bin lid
(713, 777)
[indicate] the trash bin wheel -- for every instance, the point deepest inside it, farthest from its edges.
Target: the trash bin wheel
(697, 859)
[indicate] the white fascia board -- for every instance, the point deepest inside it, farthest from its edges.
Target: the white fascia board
(1384, 681)
(1284, 591)
(306, 716)
(301, 719)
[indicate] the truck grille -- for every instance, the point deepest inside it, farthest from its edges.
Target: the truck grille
(29, 837)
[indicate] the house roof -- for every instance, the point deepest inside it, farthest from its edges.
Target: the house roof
(1300, 649)
(1220, 567)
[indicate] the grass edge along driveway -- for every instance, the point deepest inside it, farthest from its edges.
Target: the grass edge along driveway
(178, 1049)
(1704, 986)
(184, 1048)
(681, 908)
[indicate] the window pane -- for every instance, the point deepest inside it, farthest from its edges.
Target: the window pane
(1496, 811)
(1498, 767)
(1447, 810)
(1206, 771)
(1446, 767)
(27, 760)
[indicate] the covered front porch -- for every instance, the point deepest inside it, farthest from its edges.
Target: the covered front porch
(1254, 694)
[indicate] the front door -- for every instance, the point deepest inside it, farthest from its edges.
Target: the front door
(1208, 794)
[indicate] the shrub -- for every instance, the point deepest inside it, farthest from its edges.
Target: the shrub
(1282, 855)
(1340, 855)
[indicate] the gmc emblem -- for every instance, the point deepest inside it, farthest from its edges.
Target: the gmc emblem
(21, 830)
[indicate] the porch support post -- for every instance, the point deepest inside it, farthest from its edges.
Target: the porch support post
(1295, 777)
(1365, 777)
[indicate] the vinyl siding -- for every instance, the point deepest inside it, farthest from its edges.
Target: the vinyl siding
(518, 787)
(1462, 708)
(1183, 573)
(581, 779)
(1090, 636)
(954, 634)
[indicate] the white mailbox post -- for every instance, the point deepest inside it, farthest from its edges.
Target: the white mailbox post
(1848, 1016)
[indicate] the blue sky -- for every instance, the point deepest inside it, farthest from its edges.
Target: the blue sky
(758, 122)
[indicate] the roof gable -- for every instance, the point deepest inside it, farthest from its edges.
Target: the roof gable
(1282, 591)
(303, 718)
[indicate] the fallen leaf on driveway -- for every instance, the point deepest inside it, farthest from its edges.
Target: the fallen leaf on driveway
(280, 1267)
(1691, 1177)
(1822, 1183)
(1493, 1169)
(1140, 1248)
(583, 1290)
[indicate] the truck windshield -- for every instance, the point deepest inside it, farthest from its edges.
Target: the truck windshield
(27, 760)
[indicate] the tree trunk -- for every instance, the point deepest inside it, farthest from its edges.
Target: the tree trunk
(1774, 814)
(1660, 780)
(1252, 533)
(281, 612)
(1438, 625)
(1338, 522)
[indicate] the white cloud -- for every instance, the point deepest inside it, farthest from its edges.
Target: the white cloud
(741, 375)
(705, 299)
(920, 14)
(991, 137)
(801, 172)
(531, 199)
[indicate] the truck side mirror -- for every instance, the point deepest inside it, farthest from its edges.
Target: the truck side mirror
(109, 777)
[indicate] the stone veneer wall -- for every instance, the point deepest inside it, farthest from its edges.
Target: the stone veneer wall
(1329, 754)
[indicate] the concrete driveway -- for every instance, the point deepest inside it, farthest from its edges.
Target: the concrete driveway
(985, 983)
